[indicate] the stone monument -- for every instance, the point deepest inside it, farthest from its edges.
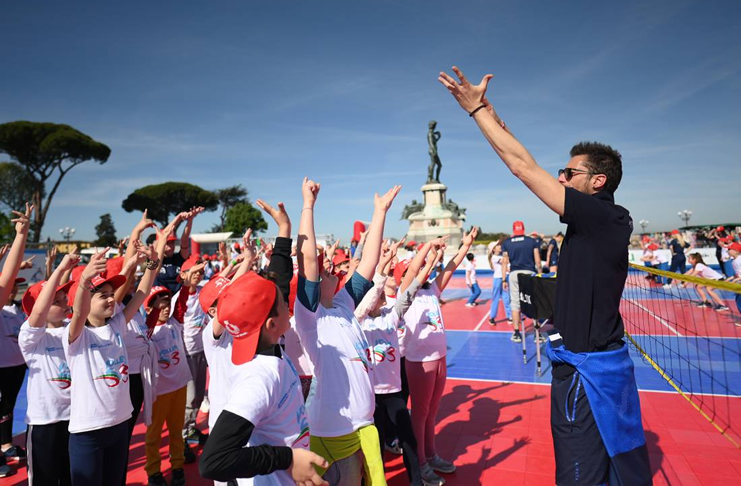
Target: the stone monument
(436, 215)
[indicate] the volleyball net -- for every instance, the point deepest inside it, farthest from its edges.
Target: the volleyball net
(683, 332)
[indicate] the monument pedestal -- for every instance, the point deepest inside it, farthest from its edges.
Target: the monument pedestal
(436, 217)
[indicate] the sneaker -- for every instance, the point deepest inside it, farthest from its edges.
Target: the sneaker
(205, 405)
(394, 448)
(190, 456)
(429, 478)
(667, 286)
(704, 304)
(196, 437)
(6, 471)
(516, 337)
(157, 480)
(19, 453)
(540, 339)
(439, 464)
(721, 308)
(469, 304)
(492, 322)
(178, 477)
(510, 321)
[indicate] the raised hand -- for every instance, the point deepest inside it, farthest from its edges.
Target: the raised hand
(440, 243)
(122, 246)
(96, 266)
(144, 252)
(310, 191)
(467, 95)
(470, 237)
(23, 220)
(143, 223)
(279, 214)
(26, 264)
(395, 246)
(383, 203)
(332, 250)
(70, 260)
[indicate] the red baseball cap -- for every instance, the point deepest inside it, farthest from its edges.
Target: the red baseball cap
(211, 291)
(653, 247)
(411, 244)
(518, 228)
(340, 257)
(29, 298)
(736, 246)
(156, 290)
(172, 237)
(190, 263)
(646, 238)
(243, 309)
(720, 228)
(113, 266)
(675, 232)
(114, 281)
(399, 270)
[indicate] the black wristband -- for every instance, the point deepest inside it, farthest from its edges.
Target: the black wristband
(477, 109)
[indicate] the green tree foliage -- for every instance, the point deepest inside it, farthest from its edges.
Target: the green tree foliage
(7, 232)
(242, 216)
(486, 238)
(45, 151)
(168, 199)
(228, 197)
(16, 186)
(106, 232)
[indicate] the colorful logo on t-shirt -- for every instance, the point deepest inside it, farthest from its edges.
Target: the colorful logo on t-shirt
(116, 372)
(434, 319)
(63, 378)
(199, 322)
(362, 355)
(383, 351)
(169, 357)
(303, 437)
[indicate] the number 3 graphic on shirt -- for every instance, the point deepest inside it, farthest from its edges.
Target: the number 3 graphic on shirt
(175, 357)
(124, 371)
(390, 352)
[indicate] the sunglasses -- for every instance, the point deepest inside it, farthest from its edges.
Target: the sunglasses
(569, 173)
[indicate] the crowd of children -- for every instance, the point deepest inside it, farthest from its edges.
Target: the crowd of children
(105, 341)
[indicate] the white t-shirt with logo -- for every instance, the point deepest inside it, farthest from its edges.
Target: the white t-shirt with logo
(383, 351)
(136, 340)
(11, 320)
(471, 271)
(49, 378)
(337, 347)
(218, 354)
(424, 338)
(267, 392)
(193, 322)
(172, 365)
(401, 329)
(704, 271)
(99, 371)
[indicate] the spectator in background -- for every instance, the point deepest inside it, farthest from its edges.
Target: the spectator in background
(679, 261)
(523, 253)
(699, 269)
(495, 262)
(471, 280)
(554, 246)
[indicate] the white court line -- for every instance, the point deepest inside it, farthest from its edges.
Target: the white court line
(481, 323)
(662, 321)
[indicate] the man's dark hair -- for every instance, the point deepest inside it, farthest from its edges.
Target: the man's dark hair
(602, 159)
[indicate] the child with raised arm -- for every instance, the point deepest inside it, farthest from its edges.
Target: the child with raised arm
(12, 365)
(172, 380)
(341, 413)
(380, 324)
(98, 363)
(262, 432)
(48, 394)
(426, 348)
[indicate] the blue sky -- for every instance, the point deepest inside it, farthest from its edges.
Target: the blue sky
(263, 93)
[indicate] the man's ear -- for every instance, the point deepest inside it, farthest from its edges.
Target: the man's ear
(270, 325)
(212, 311)
(599, 181)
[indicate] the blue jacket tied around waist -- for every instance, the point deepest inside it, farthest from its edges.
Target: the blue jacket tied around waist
(609, 383)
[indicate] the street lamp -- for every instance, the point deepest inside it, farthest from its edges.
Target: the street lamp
(685, 216)
(67, 233)
(643, 223)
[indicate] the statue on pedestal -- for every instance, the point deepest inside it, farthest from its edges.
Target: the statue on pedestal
(433, 172)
